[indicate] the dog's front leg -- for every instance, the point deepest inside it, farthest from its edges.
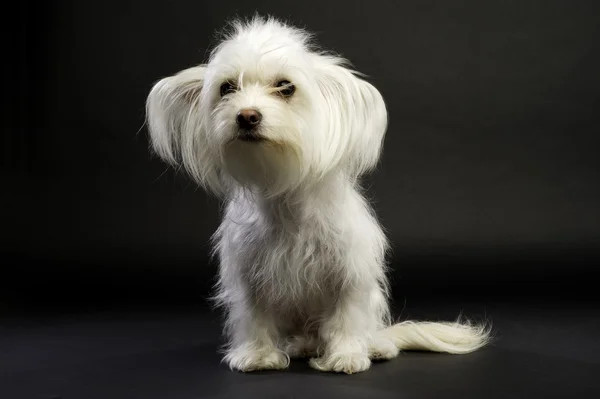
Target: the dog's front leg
(345, 332)
(254, 337)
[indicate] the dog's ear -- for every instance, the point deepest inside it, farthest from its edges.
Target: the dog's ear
(172, 113)
(355, 116)
(177, 126)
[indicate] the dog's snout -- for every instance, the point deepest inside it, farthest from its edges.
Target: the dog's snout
(248, 118)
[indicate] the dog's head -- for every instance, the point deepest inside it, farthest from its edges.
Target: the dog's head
(267, 111)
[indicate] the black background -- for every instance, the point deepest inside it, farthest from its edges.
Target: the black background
(490, 168)
(488, 189)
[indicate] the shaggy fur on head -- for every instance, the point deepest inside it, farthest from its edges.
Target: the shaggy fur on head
(302, 255)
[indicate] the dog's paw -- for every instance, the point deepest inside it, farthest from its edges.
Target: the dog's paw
(299, 346)
(348, 363)
(383, 349)
(247, 360)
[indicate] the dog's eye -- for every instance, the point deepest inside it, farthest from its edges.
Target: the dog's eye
(287, 89)
(227, 88)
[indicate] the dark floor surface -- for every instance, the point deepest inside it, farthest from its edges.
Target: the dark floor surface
(542, 350)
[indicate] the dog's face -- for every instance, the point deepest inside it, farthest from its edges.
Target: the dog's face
(258, 107)
(268, 113)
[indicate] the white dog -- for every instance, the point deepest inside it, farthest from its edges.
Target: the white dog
(282, 132)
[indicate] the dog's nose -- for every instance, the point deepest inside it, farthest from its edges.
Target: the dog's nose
(248, 118)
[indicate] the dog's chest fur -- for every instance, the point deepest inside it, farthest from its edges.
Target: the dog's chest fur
(281, 259)
(292, 256)
(295, 257)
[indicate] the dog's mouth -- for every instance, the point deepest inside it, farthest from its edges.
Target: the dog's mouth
(249, 136)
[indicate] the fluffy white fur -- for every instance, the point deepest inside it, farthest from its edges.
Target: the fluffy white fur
(302, 256)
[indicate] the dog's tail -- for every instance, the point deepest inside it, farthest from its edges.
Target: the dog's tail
(457, 337)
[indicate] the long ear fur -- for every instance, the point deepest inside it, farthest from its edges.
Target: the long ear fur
(167, 109)
(355, 116)
(177, 126)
